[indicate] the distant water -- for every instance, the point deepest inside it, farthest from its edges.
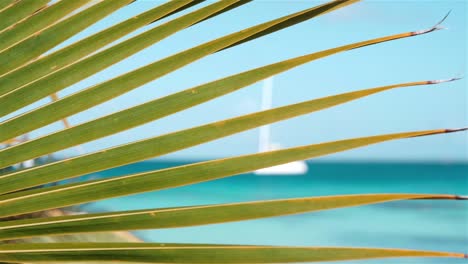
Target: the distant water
(425, 225)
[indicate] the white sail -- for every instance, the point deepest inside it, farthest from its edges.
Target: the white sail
(265, 144)
(267, 102)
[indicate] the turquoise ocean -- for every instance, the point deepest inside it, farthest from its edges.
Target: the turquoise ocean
(418, 224)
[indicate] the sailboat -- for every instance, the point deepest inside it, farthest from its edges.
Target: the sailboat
(265, 144)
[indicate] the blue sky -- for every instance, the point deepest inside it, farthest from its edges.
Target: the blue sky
(438, 55)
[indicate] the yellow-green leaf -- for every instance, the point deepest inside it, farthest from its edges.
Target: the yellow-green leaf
(12, 14)
(4, 4)
(40, 42)
(192, 215)
(82, 48)
(42, 19)
(150, 147)
(126, 82)
(70, 194)
(155, 253)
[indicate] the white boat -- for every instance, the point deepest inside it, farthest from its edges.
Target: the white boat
(265, 144)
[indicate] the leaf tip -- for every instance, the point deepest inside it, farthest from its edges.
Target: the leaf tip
(444, 80)
(433, 28)
(440, 131)
(461, 197)
(456, 130)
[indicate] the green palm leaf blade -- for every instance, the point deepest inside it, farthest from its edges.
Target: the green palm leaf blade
(18, 11)
(303, 16)
(83, 100)
(151, 147)
(66, 76)
(30, 48)
(70, 194)
(86, 46)
(69, 75)
(5, 4)
(155, 253)
(44, 18)
(192, 216)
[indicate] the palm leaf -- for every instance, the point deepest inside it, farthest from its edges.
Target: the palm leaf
(30, 72)
(19, 10)
(151, 147)
(42, 19)
(84, 47)
(192, 215)
(70, 75)
(40, 42)
(108, 90)
(155, 253)
(70, 194)
(5, 4)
